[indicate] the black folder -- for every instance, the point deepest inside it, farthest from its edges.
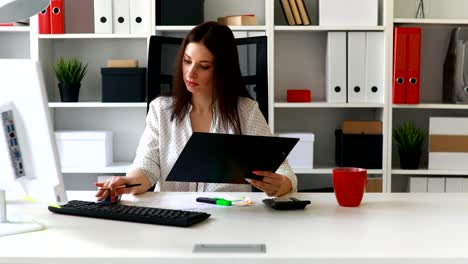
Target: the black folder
(227, 158)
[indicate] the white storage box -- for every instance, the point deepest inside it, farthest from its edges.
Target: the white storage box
(302, 155)
(448, 143)
(348, 12)
(84, 148)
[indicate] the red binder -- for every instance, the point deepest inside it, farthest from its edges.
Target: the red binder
(44, 21)
(399, 65)
(413, 66)
(56, 17)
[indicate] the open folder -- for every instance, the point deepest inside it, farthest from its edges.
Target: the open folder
(227, 158)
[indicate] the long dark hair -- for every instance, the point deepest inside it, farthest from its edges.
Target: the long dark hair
(228, 84)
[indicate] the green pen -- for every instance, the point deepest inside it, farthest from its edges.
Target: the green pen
(217, 201)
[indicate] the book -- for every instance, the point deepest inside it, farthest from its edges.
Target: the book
(303, 12)
(295, 11)
(287, 12)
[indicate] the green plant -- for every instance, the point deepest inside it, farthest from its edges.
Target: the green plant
(409, 138)
(70, 71)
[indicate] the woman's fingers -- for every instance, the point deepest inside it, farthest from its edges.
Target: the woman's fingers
(269, 188)
(109, 187)
(272, 184)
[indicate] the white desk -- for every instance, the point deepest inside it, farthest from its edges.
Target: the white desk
(387, 228)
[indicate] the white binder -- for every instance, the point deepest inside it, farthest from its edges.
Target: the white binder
(356, 67)
(374, 67)
(139, 16)
(121, 16)
(336, 67)
(103, 16)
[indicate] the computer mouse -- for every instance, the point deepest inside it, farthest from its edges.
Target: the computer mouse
(109, 201)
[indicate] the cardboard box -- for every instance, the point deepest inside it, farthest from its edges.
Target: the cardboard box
(84, 148)
(374, 185)
(448, 143)
(348, 12)
(362, 127)
(243, 20)
(122, 63)
(302, 155)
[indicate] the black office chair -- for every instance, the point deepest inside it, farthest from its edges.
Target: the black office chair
(252, 58)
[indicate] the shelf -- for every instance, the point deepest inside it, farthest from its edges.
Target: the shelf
(14, 29)
(431, 106)
(93, 36)
(327, 171)
(430, 21)
(116, 167)
(188, 28)
(97, 105)
(430, 172)
(329, 28)
(328, 105)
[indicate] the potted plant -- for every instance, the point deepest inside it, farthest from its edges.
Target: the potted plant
(409, 140)
(69, 73)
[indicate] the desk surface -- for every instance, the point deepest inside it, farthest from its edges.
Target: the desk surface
(403, 228)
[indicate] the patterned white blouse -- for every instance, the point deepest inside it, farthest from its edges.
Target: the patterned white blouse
(163, 140)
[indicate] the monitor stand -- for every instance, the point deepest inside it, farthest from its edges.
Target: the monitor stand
(15, 225)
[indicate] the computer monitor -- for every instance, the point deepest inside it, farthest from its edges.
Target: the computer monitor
(29, 163)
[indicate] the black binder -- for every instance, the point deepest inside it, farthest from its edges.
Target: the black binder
(227, 158)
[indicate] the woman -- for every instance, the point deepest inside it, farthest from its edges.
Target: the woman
(208, 95)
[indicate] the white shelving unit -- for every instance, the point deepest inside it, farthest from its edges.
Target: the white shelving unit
(97, 105)
(14, 29)
(92, 36)
(328, 28)
(116, 167)
(299, 63)
(429, 172)
(327, 105)
(296, 59)
(422, 21)
(15, 42)
(433, 106)
(441, 17)
(188, 28)
(126, 120)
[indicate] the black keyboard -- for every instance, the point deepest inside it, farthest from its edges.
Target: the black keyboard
(130, 213)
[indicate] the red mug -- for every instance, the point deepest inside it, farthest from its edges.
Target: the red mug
(349, 184)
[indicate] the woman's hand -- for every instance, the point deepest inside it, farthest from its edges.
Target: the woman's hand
(112, 184)
(273, 184)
